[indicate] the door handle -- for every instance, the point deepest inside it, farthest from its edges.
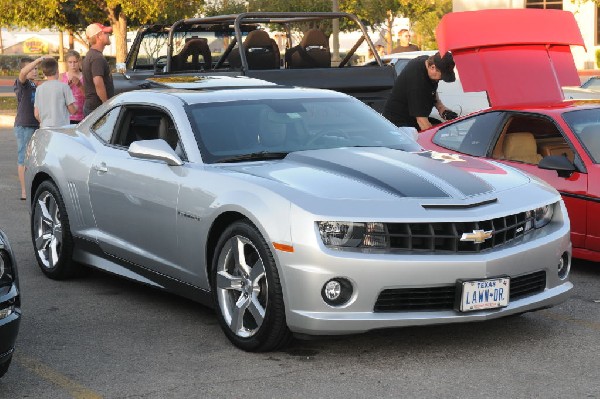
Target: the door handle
(100, 168)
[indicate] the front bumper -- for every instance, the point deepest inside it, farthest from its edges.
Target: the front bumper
(306, 270)
(9, 325)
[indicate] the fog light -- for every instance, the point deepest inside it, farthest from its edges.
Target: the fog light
(6, 311)
(337, 291)
(564, 265)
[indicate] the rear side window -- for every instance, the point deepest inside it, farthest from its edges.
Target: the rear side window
(472, 136)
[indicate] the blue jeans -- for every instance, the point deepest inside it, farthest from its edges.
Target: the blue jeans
(23, 135)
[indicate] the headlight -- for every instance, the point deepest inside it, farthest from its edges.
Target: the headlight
(354, 234)
(2, 264)
(539, 217)
(5, 269)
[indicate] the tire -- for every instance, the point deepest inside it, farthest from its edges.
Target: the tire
(247, 291)
(51, 234)
(4, 366)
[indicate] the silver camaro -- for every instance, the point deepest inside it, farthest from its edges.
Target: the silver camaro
(292, 211)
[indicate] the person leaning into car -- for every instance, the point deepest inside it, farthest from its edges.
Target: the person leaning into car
(97, 79)
(415, 91)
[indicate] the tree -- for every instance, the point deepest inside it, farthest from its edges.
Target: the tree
(427, 23)
(74, 16)
(375, 14)
(118, 12)
(422, 14)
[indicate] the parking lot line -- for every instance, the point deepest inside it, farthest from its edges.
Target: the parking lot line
(47, 373)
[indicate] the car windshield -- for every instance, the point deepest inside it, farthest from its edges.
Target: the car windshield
(592, 83)
(245, 130)
(586, 126)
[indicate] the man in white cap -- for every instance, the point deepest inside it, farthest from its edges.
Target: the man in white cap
(97, 78)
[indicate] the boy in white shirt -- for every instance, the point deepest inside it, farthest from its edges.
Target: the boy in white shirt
(54, 99)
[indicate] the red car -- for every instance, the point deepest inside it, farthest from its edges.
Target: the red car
(529, 125)
(560, 144)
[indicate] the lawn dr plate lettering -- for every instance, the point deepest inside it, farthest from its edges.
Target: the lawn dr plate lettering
(484, 294)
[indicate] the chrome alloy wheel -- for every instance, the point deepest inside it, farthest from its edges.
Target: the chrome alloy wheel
(47, 230)
(242, 287)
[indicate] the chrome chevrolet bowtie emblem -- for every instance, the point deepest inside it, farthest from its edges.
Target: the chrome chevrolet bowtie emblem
(477, 236)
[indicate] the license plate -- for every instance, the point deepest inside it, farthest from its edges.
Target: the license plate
(484, 294)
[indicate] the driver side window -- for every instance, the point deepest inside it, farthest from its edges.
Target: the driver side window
(527, 138)
(472, 136)
(146, 123)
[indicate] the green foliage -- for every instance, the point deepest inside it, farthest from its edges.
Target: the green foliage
(8, 103)
(289, 5)
(427, 22)
(9, 65)
(597, 58)
(224, 7)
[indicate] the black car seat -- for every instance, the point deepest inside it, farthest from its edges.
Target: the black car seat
(262, 52)
(189, 56)
(312, 52)
(167, 132)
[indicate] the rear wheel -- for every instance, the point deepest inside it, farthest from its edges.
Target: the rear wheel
(247, 291)
(51, 234)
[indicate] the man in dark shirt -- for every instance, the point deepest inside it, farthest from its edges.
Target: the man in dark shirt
(415, 91)
(97, 79)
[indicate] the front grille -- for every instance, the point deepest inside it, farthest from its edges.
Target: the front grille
(446, 237)
(442, 298)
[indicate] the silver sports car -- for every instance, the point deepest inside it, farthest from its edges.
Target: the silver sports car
(292, 211)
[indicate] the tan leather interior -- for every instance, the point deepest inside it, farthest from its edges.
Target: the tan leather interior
(521, 146)
(557, 149)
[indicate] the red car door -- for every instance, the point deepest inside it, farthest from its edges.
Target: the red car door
(593, 209)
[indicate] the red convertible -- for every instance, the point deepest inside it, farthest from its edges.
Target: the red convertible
(529, 126)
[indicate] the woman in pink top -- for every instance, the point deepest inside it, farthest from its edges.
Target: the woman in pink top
(74, 78)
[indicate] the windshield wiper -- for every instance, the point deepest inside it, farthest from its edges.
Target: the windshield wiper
(254, 156)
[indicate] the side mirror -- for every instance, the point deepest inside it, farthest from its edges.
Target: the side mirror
(157, 150)
(559, 163)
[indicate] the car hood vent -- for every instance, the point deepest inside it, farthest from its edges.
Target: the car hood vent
(460, 206)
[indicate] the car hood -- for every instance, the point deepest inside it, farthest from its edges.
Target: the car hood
(376, 173)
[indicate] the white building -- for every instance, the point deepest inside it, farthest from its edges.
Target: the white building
(586, 14)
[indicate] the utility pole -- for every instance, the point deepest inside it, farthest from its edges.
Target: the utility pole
(335, 27)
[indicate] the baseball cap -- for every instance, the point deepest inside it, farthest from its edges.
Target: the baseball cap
(95, 28)
(446, 66)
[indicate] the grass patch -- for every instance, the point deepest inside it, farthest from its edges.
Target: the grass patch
(8, 103)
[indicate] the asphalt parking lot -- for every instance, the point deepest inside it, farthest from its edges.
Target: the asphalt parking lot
(101, 336)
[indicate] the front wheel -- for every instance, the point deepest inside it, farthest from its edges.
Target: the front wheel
(50, 233)
(4, 366)
(247, 291)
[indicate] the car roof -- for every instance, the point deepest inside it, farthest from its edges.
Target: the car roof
(226, 94)
(409, 54)
(195, 82)
(567, 105)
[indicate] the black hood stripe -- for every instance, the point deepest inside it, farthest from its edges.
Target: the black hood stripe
(364, 169)
(394, 180)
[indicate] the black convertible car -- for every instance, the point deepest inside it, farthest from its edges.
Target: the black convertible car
(10, 303)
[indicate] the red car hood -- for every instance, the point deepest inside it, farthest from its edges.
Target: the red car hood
(519, 56)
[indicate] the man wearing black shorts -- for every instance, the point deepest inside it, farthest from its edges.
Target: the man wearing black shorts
(415, 91)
